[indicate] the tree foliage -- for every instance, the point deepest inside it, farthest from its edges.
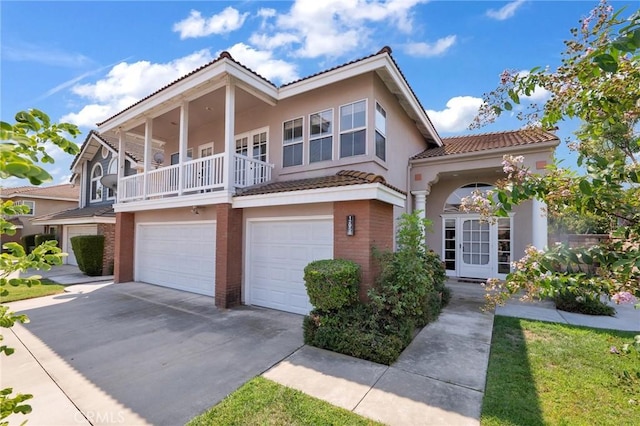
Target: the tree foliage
(598, 83)
(22, 146)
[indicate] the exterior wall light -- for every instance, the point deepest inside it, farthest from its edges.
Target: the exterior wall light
(351, 225)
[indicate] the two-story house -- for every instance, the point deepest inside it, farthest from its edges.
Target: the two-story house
(41, 200)
(93, 213)
(241, 183)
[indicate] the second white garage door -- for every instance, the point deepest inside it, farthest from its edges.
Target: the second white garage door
(74, 231)
(177, 255)
(278, 252)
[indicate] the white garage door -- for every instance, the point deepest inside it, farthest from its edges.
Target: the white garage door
(177, 255)
(74, 231)
(278, 252)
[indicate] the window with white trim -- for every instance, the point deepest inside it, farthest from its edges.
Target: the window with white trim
(292, 143)
(381, 132)
(113, 170)
(321, 136)
(28, 203)
(96, 185)
(353, 129)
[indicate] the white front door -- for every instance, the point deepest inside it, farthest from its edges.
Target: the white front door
(474, 248)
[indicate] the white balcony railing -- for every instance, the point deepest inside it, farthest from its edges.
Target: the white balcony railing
(199, 175)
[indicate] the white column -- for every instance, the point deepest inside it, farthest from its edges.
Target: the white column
(229, 135)
(184, 136)
(83, 185)
(539, 224)
(421, 202)
(122, 146)
(148, 154)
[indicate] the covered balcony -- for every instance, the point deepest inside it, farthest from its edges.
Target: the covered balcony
(195, 140)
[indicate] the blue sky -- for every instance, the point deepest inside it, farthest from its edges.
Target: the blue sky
(83, 61)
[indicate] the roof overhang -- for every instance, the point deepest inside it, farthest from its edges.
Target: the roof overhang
(89, 150)
(369, 191)
(384, 66)
(75, 221)
(217, 74)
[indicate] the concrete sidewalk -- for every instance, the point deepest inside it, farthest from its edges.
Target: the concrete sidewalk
(67, 275)
(440, 378)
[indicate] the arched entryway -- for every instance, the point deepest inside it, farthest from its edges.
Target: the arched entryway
(472, 247)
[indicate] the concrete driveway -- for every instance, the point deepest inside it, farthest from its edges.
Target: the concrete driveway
(136, 353)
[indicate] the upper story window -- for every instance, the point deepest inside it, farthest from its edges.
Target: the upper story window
(353, 129)
(30, 204)
(381, 132)
(321, 136)
(96, 185)
(292, 143)
(113, 170)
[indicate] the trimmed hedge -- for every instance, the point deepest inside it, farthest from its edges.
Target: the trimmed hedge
(41, 238)
(582, 304)
(332, 283)
(28, 242)
(89, 250)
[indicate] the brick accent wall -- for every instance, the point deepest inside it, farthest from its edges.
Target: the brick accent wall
(228, 256)
(124, 247)
(109, 232)
(374, 228)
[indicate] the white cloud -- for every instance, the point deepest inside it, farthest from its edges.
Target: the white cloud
(458, 114)
(263, 62)
(539, 93)
(333, 27)
(47, 55)
(126, 83)
(425, 49)
(506, 11)
(230, 19)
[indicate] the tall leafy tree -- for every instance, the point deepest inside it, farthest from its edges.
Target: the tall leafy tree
(598, 83)
(23, 145)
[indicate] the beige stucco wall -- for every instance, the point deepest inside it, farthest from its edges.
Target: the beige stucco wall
(42, 207)
(176, 215)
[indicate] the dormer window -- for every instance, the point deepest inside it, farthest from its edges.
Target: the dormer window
(96, 185)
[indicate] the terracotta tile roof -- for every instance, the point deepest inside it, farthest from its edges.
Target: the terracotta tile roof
(57, 191)
(223, 54)
(96, 211)
(486, 141)
(342, 178)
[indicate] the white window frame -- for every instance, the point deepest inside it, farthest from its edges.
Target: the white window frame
(206, 146)
(321, 135)
(99, 187)
(382, 132)
(250, 142)
(189, 156)
(31, 204)
(353, 129)
(294, 141)
(114, 161)
(104, 152)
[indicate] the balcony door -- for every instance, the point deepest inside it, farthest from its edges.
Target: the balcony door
(254, 145)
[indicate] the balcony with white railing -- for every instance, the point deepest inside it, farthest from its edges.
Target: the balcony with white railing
(198, 176)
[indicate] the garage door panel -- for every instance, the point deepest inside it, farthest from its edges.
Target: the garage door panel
(278, 253)
(180, 256)
(74, 231)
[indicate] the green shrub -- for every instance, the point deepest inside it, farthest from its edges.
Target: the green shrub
(28, 242)
(582, 303)
(359, 332)
(41, 238)
(89, 250)
(332, 283)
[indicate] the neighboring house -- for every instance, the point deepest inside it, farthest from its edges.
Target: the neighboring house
(93, 213)
(41, 200)
(241, 183)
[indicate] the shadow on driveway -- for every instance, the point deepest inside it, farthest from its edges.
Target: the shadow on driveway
(164, 354)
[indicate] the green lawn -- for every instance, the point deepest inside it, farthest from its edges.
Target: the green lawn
(21, 292)
(263, 402)
(553, 374)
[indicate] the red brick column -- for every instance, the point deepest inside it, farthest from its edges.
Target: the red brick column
(374, 228)
(109, 232)
(228, 256)
(124, 246)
